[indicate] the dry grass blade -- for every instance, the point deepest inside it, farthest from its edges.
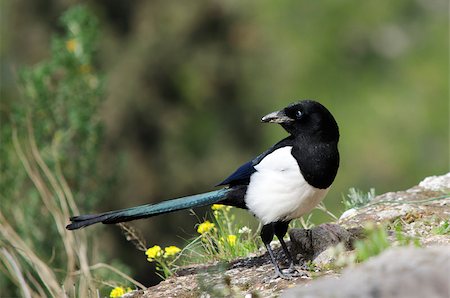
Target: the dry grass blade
(121, 274)
(32, 164)
(57, 198)
(74, 247)
(60, 212)
(323, 208)
(56, 203)
(14, 267)
(46, 275)
(134, 236)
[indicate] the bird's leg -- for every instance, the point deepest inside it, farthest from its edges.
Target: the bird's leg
(280, 229)
(267, 236)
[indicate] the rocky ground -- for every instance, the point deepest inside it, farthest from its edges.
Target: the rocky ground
(397, 272)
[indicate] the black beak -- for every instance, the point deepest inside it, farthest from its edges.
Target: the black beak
(276, 117)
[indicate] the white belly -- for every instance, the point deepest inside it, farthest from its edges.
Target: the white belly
(277, 190)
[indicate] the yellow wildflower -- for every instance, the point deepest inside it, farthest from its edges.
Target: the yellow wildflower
(71, 45)
(205, 227)
(119, 292)
(171, 251)
(153, 252)
(217, 207)
(231, 240)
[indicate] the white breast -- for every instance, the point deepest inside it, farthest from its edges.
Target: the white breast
(277, 190)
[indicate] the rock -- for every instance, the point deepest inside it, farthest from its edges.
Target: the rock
(349, 213)
(307, 244)
(400, 272)
(436, 183)
(425, 200)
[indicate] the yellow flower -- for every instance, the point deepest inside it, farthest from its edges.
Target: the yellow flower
(153, 252)
(171, 251)
(217, 207)
(231, 240)
(71, 45)
(205, 227)
(119, 292)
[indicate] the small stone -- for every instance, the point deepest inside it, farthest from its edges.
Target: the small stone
(349, 213)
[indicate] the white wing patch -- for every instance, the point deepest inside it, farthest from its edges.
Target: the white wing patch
(277, 190)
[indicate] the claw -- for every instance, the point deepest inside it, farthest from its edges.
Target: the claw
(294, 272)
(279, 274)
(288, 273)
(282, 275)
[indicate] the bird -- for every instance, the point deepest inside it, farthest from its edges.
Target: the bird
(283, 183)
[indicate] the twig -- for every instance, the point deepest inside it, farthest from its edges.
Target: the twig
(134, 236)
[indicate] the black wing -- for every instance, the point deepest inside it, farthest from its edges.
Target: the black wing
(242, 175)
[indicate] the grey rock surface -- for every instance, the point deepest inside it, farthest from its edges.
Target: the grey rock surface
(401, 272)
(436, 183)
(310, 243)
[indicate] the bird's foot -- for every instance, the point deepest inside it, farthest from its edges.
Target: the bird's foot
(278, 275)
(294, 272)
(288, 273)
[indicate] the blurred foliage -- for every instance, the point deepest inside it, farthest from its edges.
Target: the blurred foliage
(357, 198)
(376, 240)
(58, 103)
(443, 228)
(50, 146)
(188, 83)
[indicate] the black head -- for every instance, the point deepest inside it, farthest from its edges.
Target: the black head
(306, 118)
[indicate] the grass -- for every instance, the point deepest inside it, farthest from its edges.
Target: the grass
(357, 198)
(224, 239)
(443, 228)
(219, 239)
(20, 260)
(377, 241)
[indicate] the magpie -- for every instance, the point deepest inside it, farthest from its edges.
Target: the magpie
(283, 183)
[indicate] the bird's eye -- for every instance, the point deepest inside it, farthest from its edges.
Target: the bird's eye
(298, 114)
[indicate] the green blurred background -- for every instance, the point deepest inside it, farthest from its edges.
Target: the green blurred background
(187, 84)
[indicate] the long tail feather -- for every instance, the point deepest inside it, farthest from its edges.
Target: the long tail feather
(148, 210)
